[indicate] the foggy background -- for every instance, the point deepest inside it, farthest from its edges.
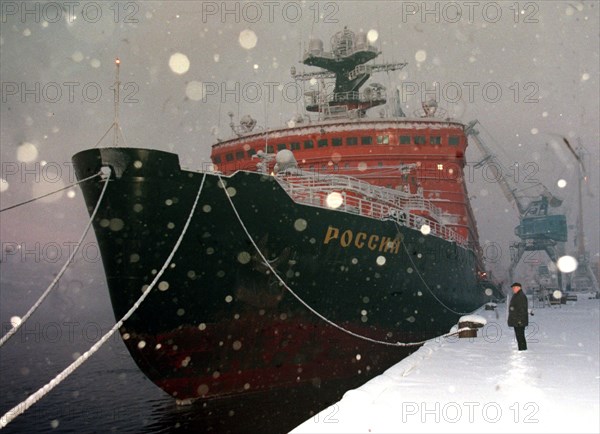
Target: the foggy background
(186, 64)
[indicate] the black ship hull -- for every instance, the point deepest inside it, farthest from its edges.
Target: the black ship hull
(219, 323)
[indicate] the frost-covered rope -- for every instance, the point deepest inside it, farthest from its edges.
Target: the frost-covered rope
(40, 393)
(37, 304)
(425, 283)
(49, 194)
(310, 308)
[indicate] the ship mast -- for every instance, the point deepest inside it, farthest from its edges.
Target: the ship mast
(115, 126)
(346, 63)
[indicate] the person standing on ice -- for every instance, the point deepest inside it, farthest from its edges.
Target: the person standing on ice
(518, 315)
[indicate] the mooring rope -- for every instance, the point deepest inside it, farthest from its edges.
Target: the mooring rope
(425, 283)
(51, 193)
(37, 304)
(310, 308)
(40, 393)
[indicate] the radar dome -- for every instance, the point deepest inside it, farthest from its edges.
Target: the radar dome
(285, 160)
(285, 156)
(315, 46)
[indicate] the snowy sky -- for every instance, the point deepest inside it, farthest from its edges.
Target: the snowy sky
(529, 75)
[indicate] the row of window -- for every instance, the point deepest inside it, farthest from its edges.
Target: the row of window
(337, 141)
(350, 166)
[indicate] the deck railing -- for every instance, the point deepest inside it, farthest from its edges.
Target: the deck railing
(361, 198)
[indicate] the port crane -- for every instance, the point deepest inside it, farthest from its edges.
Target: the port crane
(538, 229)
(583, 279)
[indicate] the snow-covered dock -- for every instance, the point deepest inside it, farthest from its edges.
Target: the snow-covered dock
(484, 384)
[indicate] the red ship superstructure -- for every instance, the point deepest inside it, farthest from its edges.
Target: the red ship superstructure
(423, 155)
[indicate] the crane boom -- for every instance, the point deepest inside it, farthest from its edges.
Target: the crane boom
(510, 192)
(507, 189)
(537, 229)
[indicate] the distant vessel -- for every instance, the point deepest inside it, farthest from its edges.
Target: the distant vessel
(368, 221)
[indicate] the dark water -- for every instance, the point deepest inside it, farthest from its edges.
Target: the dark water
(108, 393)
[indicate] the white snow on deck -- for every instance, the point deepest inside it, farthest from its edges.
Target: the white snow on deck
(484, 384)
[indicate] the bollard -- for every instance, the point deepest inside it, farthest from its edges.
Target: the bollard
(474, 322)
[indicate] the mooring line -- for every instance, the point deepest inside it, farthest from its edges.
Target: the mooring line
(51, 193)
(425, 283)
(50, 287)
(310, 308)
(40, 393)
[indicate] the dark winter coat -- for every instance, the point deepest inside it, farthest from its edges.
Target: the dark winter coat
(518, 315)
